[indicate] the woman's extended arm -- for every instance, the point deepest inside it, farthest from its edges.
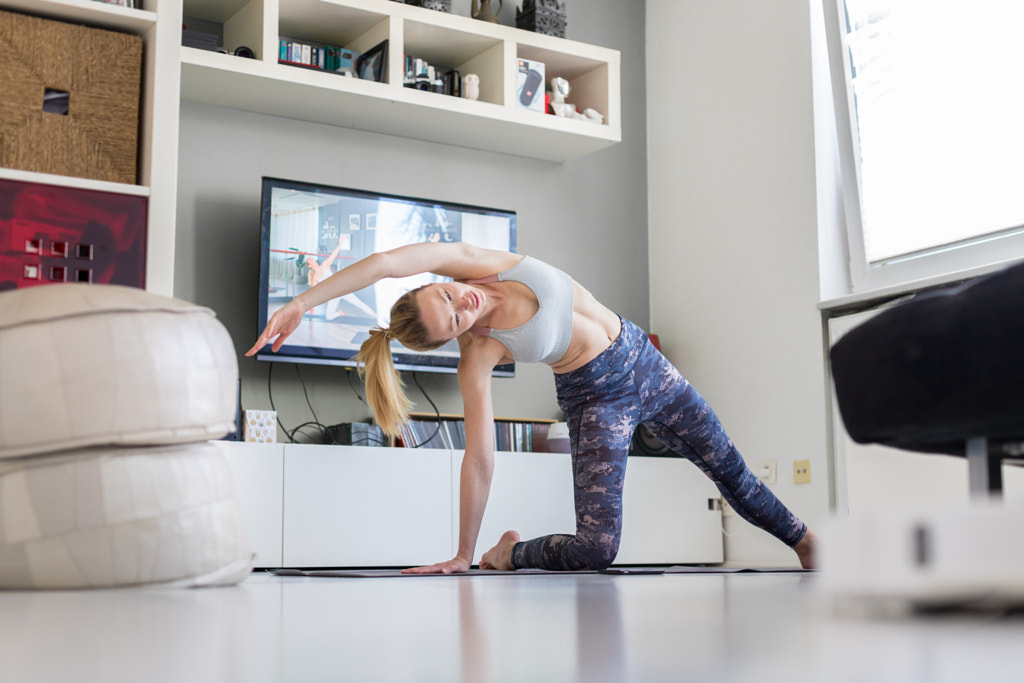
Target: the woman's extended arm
(457, 260)
(478, 462)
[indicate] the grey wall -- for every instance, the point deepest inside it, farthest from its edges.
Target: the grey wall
(734, 251)
(588, 217)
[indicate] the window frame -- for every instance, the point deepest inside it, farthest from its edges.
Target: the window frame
(930, 267)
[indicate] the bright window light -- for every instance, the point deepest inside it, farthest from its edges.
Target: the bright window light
(937, 93)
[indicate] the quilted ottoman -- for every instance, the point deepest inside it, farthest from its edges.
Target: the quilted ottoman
(87, 365)
(109, 396)
(121, 517)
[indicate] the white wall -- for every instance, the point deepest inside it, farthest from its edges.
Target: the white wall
(733, 234)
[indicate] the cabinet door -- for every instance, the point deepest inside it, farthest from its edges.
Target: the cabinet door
(258, 473)
(530, 492)
(366, 507)
(666, 517)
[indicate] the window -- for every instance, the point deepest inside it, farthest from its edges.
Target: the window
(933, 148)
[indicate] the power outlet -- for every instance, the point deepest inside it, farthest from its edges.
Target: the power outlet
(801, 471)
(766, 471)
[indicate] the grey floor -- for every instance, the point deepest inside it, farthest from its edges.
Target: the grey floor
(737, 627)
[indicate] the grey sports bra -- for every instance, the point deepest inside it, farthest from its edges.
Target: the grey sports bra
(544, 337)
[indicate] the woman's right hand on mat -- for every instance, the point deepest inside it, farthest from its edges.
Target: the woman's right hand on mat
(457, 565)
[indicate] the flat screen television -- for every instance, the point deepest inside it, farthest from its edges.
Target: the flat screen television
(309, 231)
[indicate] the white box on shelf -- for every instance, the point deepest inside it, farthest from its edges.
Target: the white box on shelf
(530, 85)
(260, 426)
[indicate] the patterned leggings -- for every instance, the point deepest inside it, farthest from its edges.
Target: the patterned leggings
(630, 383)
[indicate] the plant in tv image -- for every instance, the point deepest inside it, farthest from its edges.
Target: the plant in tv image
(310, 232)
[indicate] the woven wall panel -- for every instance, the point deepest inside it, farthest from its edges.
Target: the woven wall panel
(101, 72)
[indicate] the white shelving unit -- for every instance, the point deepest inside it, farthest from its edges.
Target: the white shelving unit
(494, 122)
(158, 116)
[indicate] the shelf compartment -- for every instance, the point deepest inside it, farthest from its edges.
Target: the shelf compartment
(343, 26)
(243, 21)
(470, 53)
(589, 79)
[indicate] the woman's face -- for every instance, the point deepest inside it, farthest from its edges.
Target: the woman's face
(448, 309)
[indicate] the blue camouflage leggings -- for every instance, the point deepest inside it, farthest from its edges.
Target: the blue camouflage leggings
(630, 383)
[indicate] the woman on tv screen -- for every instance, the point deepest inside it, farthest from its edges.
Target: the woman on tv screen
(609, 379)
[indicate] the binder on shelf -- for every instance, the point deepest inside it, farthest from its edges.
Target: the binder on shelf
(424, 430)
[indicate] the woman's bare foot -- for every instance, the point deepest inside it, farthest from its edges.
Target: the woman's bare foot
(805, 550)
(500, 556)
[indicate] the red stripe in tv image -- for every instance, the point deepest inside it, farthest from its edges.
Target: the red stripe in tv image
(63, 234)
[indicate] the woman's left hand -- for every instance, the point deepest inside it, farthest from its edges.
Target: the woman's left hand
(457, 565)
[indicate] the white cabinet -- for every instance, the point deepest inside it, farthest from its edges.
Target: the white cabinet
(356, 506)
(666, 514)
(667, 518)
(350, 506)
(530, 492)
(494, 122)
(258, 472)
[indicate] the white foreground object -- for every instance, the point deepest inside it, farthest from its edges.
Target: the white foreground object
(121, 517)
(85, 365)
(952, 555)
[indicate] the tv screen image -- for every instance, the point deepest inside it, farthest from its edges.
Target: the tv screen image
(311, 231)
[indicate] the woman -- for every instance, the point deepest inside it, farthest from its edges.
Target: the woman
(609, 378)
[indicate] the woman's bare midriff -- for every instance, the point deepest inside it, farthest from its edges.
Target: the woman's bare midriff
(594, 328)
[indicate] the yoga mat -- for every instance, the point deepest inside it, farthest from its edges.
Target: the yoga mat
(613, 571)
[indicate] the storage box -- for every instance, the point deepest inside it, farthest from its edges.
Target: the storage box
(530, 85)
(260, 426)
(542, 16)
(69, 98)
(50, 233)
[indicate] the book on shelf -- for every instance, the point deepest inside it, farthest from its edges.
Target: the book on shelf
(510, 434)
(319, 56)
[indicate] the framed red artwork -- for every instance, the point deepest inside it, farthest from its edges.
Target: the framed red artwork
(52, 234)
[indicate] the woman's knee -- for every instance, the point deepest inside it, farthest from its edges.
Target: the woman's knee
(599, 555)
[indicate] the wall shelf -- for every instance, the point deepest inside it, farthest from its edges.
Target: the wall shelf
(72, 181)
(494, 123)
(95, 14)
(157, 169)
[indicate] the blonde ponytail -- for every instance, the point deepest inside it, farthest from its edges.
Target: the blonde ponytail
(384, 387)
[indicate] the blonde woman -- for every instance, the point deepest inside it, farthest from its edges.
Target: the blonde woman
(608, 376)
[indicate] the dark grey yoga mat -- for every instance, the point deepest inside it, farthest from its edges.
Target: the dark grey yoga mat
(613, 571)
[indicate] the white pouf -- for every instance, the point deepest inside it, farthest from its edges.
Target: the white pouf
(86, 365)
(121, 517)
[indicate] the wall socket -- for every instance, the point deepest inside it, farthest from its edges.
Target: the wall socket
(801, 471)
(766, 470)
